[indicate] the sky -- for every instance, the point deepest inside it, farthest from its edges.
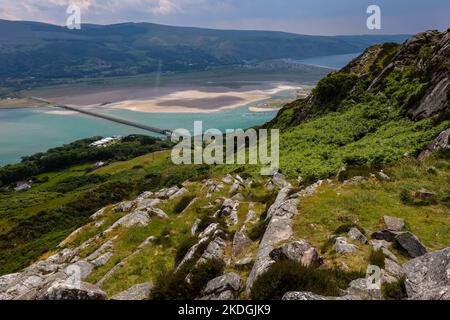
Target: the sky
(318, 17)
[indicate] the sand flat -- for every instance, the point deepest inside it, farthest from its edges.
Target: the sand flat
(181, 100)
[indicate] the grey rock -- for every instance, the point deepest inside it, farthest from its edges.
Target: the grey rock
(235, 187)
(393, 268)
(102, 260)
(250, 216)
(230, 282)
(213, 227)
(134, 219)
(98, 214)
(238, 197)
(228, 179)
(240, 243)
(244, 262)
(360, 288)
(85, 268)
(424, 194)
(379, 244)
(300, 251)
(61, 290)
(343, 247)
(305, 296)
(179, 193)
(214, 250)
(357, 235)
(441, 142)
(393, 223)
(411, 244)
(279, 180)
(428, 276)
(278, 230)
(124, 206)
(138, 292)
(195, 226)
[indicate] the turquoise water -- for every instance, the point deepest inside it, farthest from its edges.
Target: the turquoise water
(27, 131)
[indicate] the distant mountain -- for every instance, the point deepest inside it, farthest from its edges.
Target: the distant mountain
(36, 51)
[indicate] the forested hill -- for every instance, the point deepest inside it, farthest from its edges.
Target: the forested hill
(135, 48)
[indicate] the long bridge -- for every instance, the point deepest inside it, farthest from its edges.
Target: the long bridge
(165, 132)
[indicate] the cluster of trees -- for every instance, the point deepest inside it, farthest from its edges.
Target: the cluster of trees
(79, 152)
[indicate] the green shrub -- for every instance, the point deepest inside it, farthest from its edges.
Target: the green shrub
(285, 276)
(183, 249)
(183, 203)
(257, 231)
(395, 290)
(405, 196)
(376, 258)
(172, 285)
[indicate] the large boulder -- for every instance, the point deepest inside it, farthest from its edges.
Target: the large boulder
(300, 251)
(225, 287)
(411, 244)
(137, 292)
(428, 276)
(393, 223)
(62, 290)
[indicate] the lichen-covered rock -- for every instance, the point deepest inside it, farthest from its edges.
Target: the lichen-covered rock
(342, 246)
(299, 251)
(428, 276)
(124, 206)
(138, 292)
(411, 244)
(305, 296)
(225, 287)
(440, 143)
(214, 250)
(62, 290)
(278, 230)
(357, 235)
(240, 243)
(361, 288)
(393, 223)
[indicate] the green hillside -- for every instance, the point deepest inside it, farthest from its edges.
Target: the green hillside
(128, 49)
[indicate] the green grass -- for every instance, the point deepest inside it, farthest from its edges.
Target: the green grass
(366, 204)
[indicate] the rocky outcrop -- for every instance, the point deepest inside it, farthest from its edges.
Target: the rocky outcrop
(440, 143)
(138, 292)
(428, 277)
(405, 240)
(299, 251)
(240, 243)
(61, 290)
(279, 229)
(226, 287)
(411, 244)
(393, 223)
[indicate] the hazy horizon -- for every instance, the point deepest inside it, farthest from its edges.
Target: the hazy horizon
(324, 17)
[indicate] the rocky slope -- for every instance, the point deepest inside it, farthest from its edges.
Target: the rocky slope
(235, 235)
